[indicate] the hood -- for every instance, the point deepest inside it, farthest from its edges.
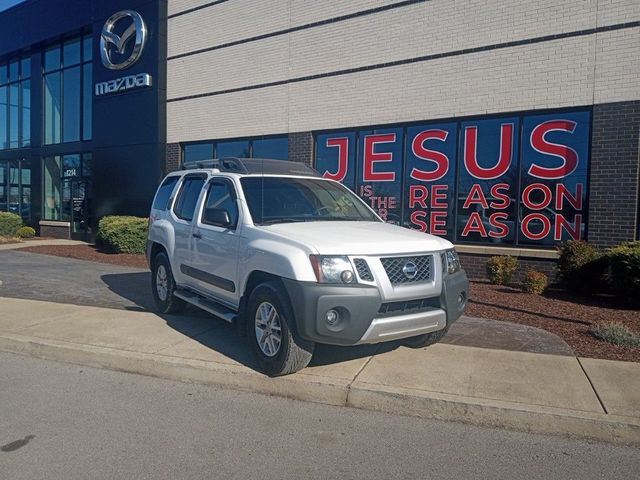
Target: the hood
(359, 238)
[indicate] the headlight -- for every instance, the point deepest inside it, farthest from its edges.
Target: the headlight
(450, 262)
(332, 269)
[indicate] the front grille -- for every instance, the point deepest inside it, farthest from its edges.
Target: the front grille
(363, 269)
(407, 307)
(394, 268)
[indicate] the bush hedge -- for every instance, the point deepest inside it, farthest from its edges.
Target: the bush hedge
(500, 269)
(26, 232)
(535, 282)
(624, 261)
(122, 234)
(9, 224)
(581, 266)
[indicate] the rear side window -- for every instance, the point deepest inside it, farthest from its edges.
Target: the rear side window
(188, 198)
(161, 201)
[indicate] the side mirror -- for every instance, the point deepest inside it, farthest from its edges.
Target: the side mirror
(217, 216)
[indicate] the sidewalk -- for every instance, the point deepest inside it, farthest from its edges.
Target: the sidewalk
(37, 243)
(534, 392)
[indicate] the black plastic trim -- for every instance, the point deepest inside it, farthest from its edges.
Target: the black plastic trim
(209, 278)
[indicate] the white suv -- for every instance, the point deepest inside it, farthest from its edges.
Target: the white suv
(296, 259)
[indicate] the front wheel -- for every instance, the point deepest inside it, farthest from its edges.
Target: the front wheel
(426, 339)
(163, 286)
(270, 331)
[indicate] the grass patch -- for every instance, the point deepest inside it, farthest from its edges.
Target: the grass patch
(616, 333)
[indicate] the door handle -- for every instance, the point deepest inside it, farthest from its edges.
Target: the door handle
(196, 235)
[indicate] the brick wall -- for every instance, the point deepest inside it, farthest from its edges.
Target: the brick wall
(476, 267)
(301, 147)
(173, 157)
(615, 166)
(55, 231)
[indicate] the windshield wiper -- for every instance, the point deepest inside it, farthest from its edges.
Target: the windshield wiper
(329, 218)
(272, 221)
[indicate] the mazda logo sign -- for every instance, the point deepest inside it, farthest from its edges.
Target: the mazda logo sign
(113, 46)
(410, 270)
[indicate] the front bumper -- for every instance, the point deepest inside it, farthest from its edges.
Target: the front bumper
(362, 316)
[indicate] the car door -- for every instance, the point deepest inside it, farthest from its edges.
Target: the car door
(183, 213)
(215, 246)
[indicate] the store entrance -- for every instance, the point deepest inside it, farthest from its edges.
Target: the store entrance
(76, 195)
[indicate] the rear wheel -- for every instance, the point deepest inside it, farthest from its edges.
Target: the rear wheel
(271, 334)
(425, 340)
(163, 286)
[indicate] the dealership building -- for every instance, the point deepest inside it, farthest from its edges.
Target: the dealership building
(505, 126)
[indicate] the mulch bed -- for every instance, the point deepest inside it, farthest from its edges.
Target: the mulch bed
(567, 315)
(90, 253)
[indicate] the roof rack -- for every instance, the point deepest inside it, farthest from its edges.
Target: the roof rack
(261, 166)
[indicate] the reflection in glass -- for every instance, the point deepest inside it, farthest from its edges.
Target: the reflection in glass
(51, 206)
(71, 52)
(71, 105)
(13, 71)
(14, 105)
(26, 113)
(3, 118)
(52, 104)
(198, 151)
(232, 149)
(277, 148)
(87, 52)
(52, 58)
(87, 101)
(25, 67)
(3, 188)
(71, 166)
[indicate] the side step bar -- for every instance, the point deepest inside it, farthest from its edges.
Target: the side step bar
(206, 304)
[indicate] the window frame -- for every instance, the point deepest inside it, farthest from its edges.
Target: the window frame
(180, 192)
(86, 58)
(234, 196)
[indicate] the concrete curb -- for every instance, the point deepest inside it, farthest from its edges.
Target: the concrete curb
(488, 413)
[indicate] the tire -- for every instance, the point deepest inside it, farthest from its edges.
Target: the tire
(425, 340)
(268, 313)
(163, 286)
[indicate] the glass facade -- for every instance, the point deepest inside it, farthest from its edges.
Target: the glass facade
(15, 103)
(68, 91)
(15, 187)
(270, 147)
(510, 180)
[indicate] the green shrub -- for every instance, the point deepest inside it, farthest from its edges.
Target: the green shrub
(581, 266)
(625, 270)
(501, 268)
(535, 282)
(9, 224)
(616, 333)
(123, 234)
(26, 232)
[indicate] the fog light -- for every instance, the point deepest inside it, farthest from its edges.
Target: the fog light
(332, 317)
(462, 299)
(346, 276)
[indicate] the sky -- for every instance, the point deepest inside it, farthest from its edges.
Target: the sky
(4, 4)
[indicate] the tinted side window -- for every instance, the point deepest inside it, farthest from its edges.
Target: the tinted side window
(222, 195)
(161, 201)
(188, 198)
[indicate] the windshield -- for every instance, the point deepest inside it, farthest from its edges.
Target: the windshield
(281, 200)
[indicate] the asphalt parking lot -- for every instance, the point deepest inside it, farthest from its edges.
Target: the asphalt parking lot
(67, 280)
